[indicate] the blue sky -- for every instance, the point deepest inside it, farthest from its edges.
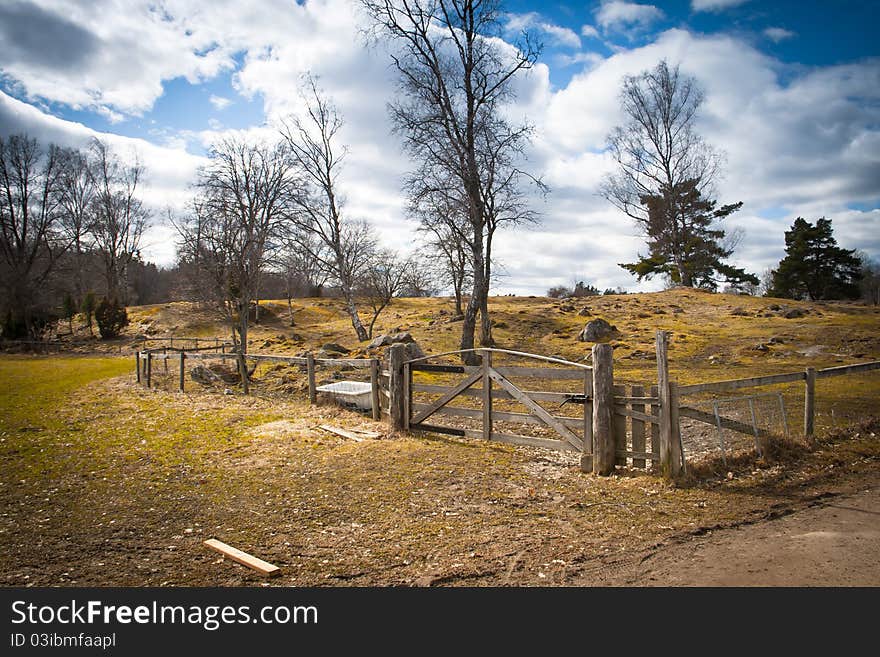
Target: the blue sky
(792, 99)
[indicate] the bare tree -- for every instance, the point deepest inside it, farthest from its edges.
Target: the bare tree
(455, 77)
(300, 265)
(342, 246)
(119, 217)
(30, 239)
(665, 175)
(78, 191)
(245, 195)
(382, 280)
(446, 229)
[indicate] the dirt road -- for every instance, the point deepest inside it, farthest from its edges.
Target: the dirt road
(834, 543)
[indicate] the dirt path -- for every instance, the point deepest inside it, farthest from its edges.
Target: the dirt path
(834, 543)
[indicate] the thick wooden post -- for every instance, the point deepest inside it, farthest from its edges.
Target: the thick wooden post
(674, 419)
(603, 400)
(587, 449)
(669, 436)
(487, 395)
(397, 385)
(182, 371)
(374, 389)
(149, 368)
(638, 428)
(655, 431)
(310, 369)
(137, 365)
(810, 402)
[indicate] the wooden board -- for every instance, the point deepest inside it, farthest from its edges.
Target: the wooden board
(341, 432)
(243, 558)
(734, 384)
(847, 369)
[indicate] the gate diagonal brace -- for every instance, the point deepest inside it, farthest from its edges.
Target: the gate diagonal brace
(536, 409)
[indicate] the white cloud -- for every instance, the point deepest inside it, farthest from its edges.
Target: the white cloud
(798, 141)
(558, 35)
(715, 5)
(617, 14)
(589, 32)
(778, 34)
(219, 102)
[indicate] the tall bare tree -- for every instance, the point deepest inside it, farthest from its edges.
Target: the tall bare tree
(342, 246)
(245, 195)
(665, 179)
(30, 239)
(119, 217)
(77, 200)
(455, 78)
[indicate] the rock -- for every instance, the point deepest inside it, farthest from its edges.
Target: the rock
(677, 311)
(596, 330)
(413, 350)
(794, 313)
(201, 374)
(585, 312)
(774, 306)
(775, 340)
(761, 347)
(332, 347)
(227, 391)
(391, 338)
(741, 312)
(566, 308)
(458, 318)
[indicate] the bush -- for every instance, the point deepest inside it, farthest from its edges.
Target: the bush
(111, 318)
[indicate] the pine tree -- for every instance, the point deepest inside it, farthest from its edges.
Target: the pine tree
(814, 267)
(684, 241)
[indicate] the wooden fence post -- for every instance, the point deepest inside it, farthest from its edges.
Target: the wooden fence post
(603, 399)
(149, 368)
(618, 426)
(374, 388)
(397, 385)
(487, 395)
(669, 435)
(137, 365)
(587, 449)
(310, 368)
(810, 402)
(638, 428)
(182, 371)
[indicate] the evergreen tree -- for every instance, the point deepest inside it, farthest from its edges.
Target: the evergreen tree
(684, 241)
(814, 267)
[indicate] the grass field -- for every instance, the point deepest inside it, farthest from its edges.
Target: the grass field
(106, 483)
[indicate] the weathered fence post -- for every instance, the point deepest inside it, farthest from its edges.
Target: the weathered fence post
(397, 385)
(638, 428)
(137, 365)
(618, 425)
(182, 371)
(310, 369)
(670, 460)
(603, 400)
(810, 402)
(149, 368)
(374, 388)
(487, 395)
(587, 449)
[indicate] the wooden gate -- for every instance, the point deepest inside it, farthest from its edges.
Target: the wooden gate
(487, 403)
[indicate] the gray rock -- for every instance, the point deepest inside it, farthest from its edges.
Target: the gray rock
(794, 313)
(333, 348)
(596, 330)
(585, 312)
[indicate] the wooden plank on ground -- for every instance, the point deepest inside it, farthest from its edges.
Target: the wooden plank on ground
(243, 558)
(341, 432)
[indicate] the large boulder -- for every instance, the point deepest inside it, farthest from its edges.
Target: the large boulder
(596, 330)
(391, 338)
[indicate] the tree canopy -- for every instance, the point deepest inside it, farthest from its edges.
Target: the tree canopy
(814, 267)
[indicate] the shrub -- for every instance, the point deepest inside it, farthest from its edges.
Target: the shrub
(111, 318)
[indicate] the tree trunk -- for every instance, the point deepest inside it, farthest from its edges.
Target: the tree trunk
(486, 339)
(351, 309)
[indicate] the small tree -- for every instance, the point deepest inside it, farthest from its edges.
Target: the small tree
(383, 279)
(870, 284)
(111, 317)
(88, 308)
(814, 267)
(68, 310)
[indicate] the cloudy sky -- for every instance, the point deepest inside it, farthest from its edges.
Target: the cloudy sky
(792, 99)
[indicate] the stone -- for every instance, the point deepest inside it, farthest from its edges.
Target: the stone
(201, 374)
(596, 330)
(585, 312)
(794, 313)
(332, 347)
(741, 312)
